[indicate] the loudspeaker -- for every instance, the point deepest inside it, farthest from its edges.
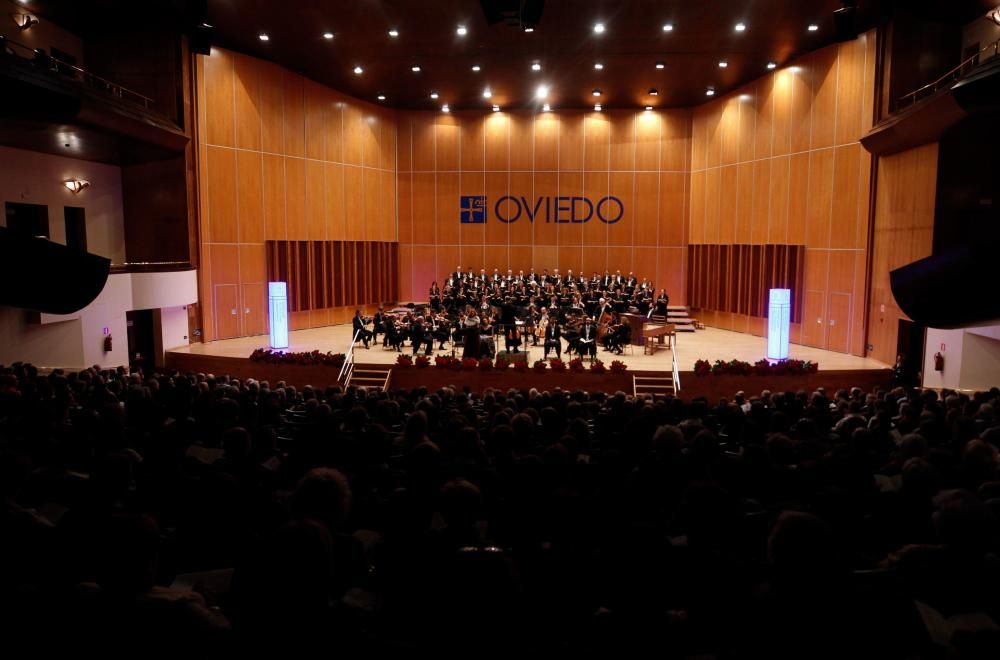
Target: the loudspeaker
(843, 20)
(201, 39)
(517, 13)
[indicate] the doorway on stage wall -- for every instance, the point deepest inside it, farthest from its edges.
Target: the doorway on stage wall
(141, 344)
(910, 344)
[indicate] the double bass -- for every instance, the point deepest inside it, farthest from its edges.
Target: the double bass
(603, 322)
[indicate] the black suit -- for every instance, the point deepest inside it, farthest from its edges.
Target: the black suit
(553, 338)
(588, 340)
(418, 337)
(359, 330)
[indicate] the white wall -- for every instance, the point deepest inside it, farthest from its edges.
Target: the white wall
(951, 377)
(980, 362)
(971, 358)
(172, 326)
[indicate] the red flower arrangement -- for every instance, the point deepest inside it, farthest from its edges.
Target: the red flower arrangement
(576, 365)
(618, 367)
(470, 364)
(404, 361)
(761, 367)
(303, 358)
(422, 362)
(557, 365)
(486, 364)
(597, 367)
(521, 366)
(502, 363)
(540, 366)
(444, 361)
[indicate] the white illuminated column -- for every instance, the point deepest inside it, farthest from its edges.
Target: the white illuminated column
(779, 316)
(277, 309)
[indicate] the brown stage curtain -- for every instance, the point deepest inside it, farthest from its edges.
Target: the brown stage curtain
(322, 274)
(736, 278)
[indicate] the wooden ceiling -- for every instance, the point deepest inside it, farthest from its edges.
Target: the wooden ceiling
(563, 43)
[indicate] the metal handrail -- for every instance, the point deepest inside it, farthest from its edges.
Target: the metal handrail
(676, 371)
(348, 357)
(90, 79)
(949, 76)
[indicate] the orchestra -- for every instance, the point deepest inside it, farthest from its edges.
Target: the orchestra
(474, 311)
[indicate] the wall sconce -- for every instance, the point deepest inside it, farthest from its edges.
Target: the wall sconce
(994, 16)
(76, 185)
(24, 21)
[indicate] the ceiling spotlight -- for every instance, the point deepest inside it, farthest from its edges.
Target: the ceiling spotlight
(598, 28)
(358, 70)
(597, 107)
(496, 108)
(772, 65)
(328, 35)
(24, 21)
(393, 33)
(76, 185)
(546, 108)
(660, 65)
(596, 92)
(487, 93)
(263, 37)
(710, 91)
(475, 67)
(415, 69)
(813, 27)
(434, 95)
(668, 27)
(723, 64)
(381, 97)
(536, 66)
(649, 107)
(598, 66)
(740, 27)
(461, 31)
(653, 92)
(542, 91)
(529, 29)
(445, 108)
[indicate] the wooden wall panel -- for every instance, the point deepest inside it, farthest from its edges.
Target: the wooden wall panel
(778, 162)
(272, 154)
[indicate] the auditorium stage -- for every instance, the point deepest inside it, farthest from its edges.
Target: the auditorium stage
(835, 369)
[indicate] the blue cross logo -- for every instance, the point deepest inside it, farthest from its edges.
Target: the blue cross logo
(473, 209)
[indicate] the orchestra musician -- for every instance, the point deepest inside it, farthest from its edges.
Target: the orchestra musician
(471, 338)
(553, 337)
(419, 337)
(358, 327)
(378, 326)
(587, 343)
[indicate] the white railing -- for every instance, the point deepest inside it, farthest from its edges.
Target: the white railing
(348, 367)
(676, 372)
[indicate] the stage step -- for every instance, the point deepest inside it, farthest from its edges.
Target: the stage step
(661, 385)
(370, 376)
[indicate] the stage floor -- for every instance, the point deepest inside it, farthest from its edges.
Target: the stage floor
(709, 344)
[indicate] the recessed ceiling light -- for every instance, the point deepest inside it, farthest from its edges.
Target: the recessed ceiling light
(434, 95)
(546, 108)
(710, 92)
(381, 97)
(772, 65)
(649, 107)
(487, 93)
(598, 28)
(358, 70)
(536, 66)
(445, 108)
(653, 92)
(668, 27)
(529, 29)
(597, 107)
(660, 65)
(598, 66)
(496, 108)
(263, 37)
(328, 35)
(542, 91)
(813, 27)
(740, 27)
(415, 68)
(394, 33)
(461, 31)
(723, 64)
(475, 67)
(596, 92)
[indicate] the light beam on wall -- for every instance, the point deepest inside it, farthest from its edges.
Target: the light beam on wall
(779, 316)
(277, 311)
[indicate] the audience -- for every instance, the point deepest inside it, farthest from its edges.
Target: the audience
(164, 514)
